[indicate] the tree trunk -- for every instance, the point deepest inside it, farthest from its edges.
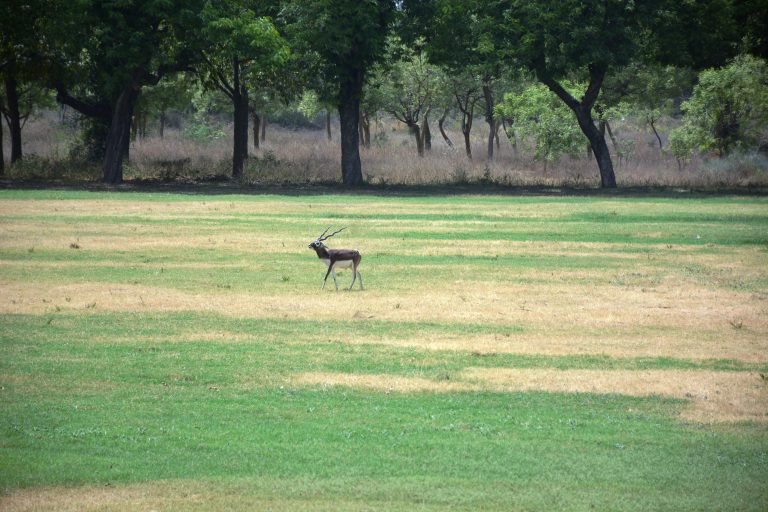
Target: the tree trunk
(2, 154)
(256, 120)
(599, 148)
(416, 131)
(263, 127)
(162, 123)
(118, 138)
(134, 127)
(653, 127)
(365, 130)
(349, 112)
(466, 128)
(488, 94)
(14, 118)
(583, 111)
(240, 135)
(366, 122)
(613, 139)
(440, 124)
(240, 141)
(426, 133)
(144, 116)
(328, 124)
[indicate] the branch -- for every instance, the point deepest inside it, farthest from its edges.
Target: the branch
(86, 108)
(596, 76)
(219, 79)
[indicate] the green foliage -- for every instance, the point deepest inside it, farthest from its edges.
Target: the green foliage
(233, 30)
(538, 115)
(310, 104)
(727, 112)
(339, 40)
(408, 84)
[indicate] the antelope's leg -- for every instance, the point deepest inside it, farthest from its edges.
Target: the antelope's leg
(336, 284)
(360, 278)
(354, 275)
(330, 269)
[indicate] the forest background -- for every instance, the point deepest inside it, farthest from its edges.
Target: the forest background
(506, 92)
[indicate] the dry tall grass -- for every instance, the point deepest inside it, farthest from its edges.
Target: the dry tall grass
(307, 156)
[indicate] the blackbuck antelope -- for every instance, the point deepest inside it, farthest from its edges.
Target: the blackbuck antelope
(337, 258)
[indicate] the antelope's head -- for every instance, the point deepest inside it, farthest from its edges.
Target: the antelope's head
(318, 242)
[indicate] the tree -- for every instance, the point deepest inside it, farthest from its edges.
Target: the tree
(22, 68)
(646, 90)
(462, 36)
(728, 110)
(171, 93)
(105, 52)
(468, 93)
(539, 115)
(578, 39)
(341, 40)
(311, 106)
(409, 87)
(240, 44)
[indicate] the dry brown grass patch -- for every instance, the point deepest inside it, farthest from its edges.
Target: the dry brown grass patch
(180, 495)
(380, 382)
(694, 323)
(714, 396)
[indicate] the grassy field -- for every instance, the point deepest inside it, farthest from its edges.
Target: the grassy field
(175, 352)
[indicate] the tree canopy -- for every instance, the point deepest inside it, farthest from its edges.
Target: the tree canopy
(456, 55)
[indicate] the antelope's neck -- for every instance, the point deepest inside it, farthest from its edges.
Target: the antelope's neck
(322, 253)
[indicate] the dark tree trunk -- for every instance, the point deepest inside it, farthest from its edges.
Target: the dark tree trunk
(583, 111)
(365, 130)
(488, 94)
(416, 131)
(143, 131)
(134, 127)
(653, 127)
(328, 124)
(256, 120)
(263, 127)
(349, 112)
(2, 154)
(613, 139)
(118, 138)
(426, 133)
(240, 135)
(440, 124)
(14, 117)
(466, 129)
(365, 121)
(599, 148)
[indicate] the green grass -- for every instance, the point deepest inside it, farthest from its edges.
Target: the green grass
(100, 398)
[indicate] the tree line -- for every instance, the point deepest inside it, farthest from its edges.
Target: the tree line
(515, 63)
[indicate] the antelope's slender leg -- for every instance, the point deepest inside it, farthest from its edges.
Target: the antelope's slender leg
(330, 269)
(354, 275)
(336, 284)
(360, 278)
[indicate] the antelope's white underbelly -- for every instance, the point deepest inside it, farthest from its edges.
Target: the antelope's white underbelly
(339, 264)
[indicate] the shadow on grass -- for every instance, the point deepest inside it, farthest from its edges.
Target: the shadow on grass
(226, 186)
